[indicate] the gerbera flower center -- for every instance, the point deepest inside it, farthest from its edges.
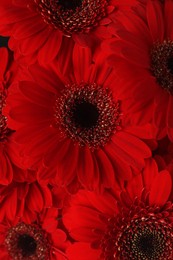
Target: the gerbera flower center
(146, 243)
(87, 114)
(70, 5)
(162, 64)
(148, 237)
(170, 65)
(72, 16)
(149, 242)
(27, 241)
(27, 244)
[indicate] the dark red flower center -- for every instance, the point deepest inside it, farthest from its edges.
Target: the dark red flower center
(87, 114)
(27, 244)
(162, 64)
(72, 16)
(170, 64)
(27, 241)
(70, 5)
(146, 243)
(139, 236)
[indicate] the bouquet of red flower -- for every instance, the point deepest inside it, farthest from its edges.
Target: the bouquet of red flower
(86, 130)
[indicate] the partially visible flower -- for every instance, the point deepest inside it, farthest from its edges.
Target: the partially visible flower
(24, 199)
(37, 27)
(41, 239)
(163, 154)
(135, 223)
(7, 71)
(142, 53)
(8, 68)
(84, 130)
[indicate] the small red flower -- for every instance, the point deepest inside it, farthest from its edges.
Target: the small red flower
(41, 239)
(134, 222)
(142, 53)
(83, 128)
(38, 27)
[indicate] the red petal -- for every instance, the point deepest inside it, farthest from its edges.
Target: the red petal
(31, 44)
(135, 186)
(162, 101)
(160, 189)
(170, 113)
(29, 113)
(46, 78)
(34, 198)
(15, 14)
(58, 237)
(130, 149)
(36, 94)
(69, 161)
(29, 27)
(11, 205)
(83, 221)
(3, 62)
(86, 168)
(104, 202)
(149, 173)
(107, 174)
(168, 11)
(81, 62)
(155, 20)
(51, 47)
(76, 252)
(6, 169)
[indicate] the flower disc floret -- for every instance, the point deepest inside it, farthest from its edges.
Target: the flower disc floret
(143, 235)
(88, 114)
(76, 16)
(27, 241)
(162, 64)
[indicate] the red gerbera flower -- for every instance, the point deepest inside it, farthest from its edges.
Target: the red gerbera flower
(132, 224)
(38, 26)
(144, 49)
(80, 124)
(41, 239)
